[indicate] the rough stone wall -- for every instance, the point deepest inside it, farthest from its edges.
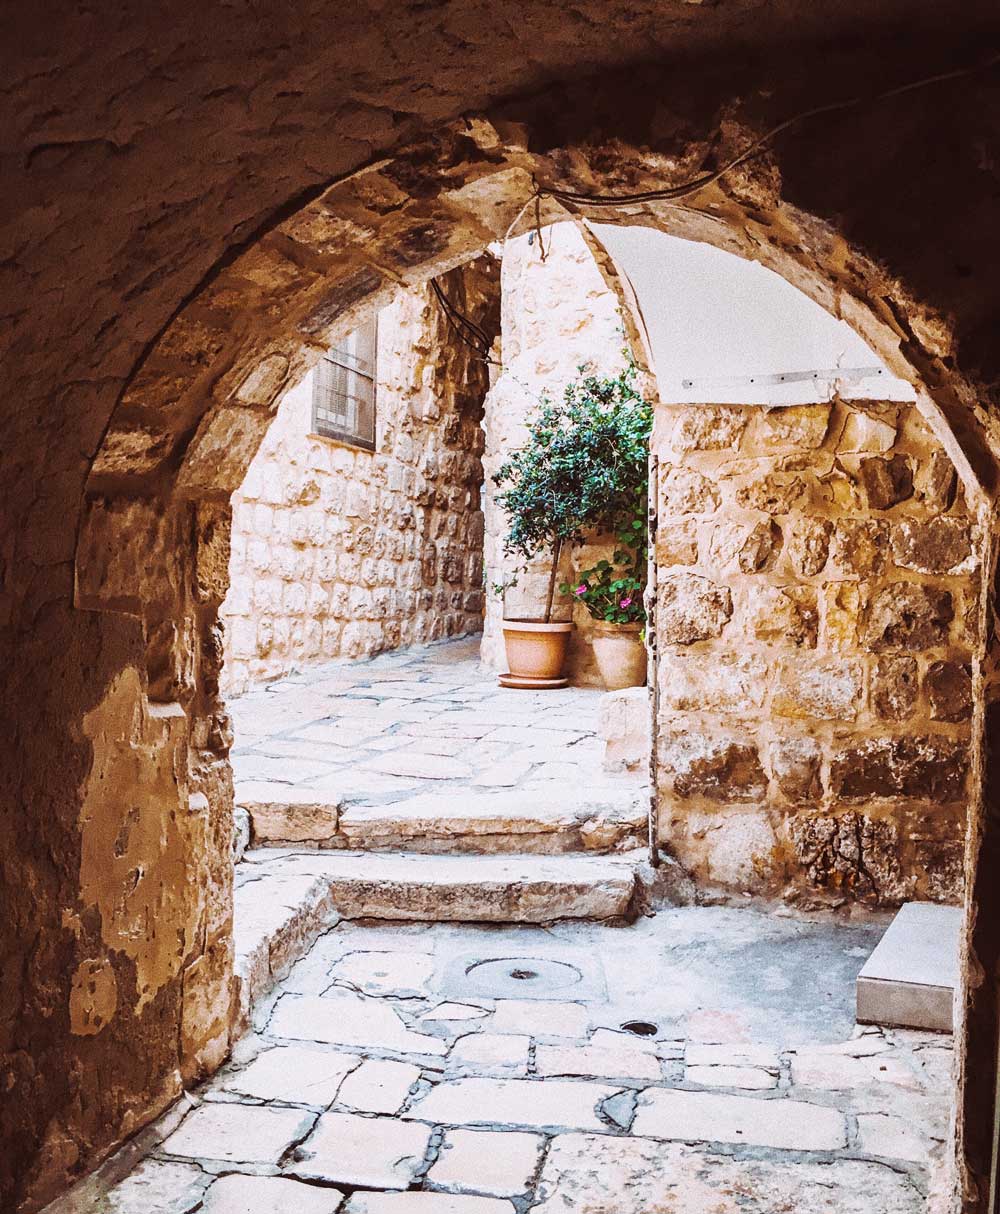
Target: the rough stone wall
(818, 596)
(557, 314)
(341, 552)
(159, 342)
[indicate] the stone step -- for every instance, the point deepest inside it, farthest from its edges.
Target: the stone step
(909, 980)
(285, 900)
(589, 819)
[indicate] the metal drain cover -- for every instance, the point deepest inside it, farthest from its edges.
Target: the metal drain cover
(519, 977)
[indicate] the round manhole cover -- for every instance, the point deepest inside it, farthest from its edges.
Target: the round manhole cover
(520, 977)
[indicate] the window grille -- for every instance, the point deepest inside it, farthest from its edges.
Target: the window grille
(343, 403)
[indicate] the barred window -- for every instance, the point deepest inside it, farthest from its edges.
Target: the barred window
(343, 403)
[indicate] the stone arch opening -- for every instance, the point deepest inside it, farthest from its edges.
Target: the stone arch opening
(194, 412)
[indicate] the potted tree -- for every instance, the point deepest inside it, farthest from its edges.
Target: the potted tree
(582, 468)
(612, 593)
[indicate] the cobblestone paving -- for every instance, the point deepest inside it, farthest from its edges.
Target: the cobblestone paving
(382, 1078)
(416, 721)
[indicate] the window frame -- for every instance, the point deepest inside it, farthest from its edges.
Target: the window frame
(340, 357)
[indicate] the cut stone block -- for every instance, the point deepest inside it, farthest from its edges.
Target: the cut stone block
(891, 1138)
(490, 1162)
(287, 813)
(790, 1125)
(236, 1194)
(425, 1203)
(909, 980)
(751, 1078)
(473, 889)
(294, 1074)
(604, 1062)
(154, 1187)
(237, 1133)
(378, 1086)
(384, 973)
(376, 1152)
(533, 1104)
(489, 1053)
(540, 1018)
(605, 1174)
(343, 1018)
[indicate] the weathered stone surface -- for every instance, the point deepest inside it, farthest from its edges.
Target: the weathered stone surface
(677, 543)
(493, 889)
(936, 481)
(285, 813)
(540, 1018)
(850, 852)
(341, 1018)
(692, 608)
(895, 688)
(937, 545)
(809, 545)
(948, 687)
(830, 690)
(237, 1133)
(158, 1187)
(859, 547)
(726, 768)
(790, 1125)
(709, 428)
(928, 767)
(717, 683)
(731, 1053)
(891, 1137)
(490, 1054)
(375, 1152)
(599, 1174)
(385, 973)
(531, 1103)
(868, 431)
(624, 724)
(795, 764)
(886, 482)
(602, 1062)
(378, 1086)
(818, 1069)
(841, 607)
(236, 1194)
(749, 1078)
(425, 1203)
(774, 494)
(686, 491)
(783, 615)
(795, 427)
(751, 546)
(295, 1074)
(493, 1163)
(908, 615)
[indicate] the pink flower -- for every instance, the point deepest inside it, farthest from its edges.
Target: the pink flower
(625, 602)
(582, 588)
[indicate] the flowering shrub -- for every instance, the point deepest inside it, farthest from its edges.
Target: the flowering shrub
(582, 468)
(612, 590)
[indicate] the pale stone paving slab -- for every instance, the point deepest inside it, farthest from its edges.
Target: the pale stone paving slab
(594, 1060)
(489, 1162)
(748, 1077)
(539, 1018)
(790, 1125)
(158, 1187)
(341, 1018)
(531, 1103)
(376, 1152)
(891, 1138)
(812, 1069)
(490, 1054)
(237, 1133)
(601, 1174)
(424, 1203)
(379, 973)
(378, 1086)
(236, 1194)
(294, 1074)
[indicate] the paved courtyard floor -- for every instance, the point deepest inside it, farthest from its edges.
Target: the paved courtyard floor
(424, 720)
(455, 1069)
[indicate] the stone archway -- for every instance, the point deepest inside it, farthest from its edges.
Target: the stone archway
(196, 407)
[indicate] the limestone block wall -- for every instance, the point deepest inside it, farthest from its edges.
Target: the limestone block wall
(557, 314)
(341, 552)
(817, 586)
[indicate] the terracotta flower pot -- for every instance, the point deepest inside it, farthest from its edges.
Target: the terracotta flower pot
(620, 654)
(536, 651)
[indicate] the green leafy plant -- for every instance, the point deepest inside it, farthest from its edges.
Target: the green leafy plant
(612, 590)
(582, 468)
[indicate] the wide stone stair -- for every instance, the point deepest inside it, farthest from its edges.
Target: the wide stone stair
(476, 858)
